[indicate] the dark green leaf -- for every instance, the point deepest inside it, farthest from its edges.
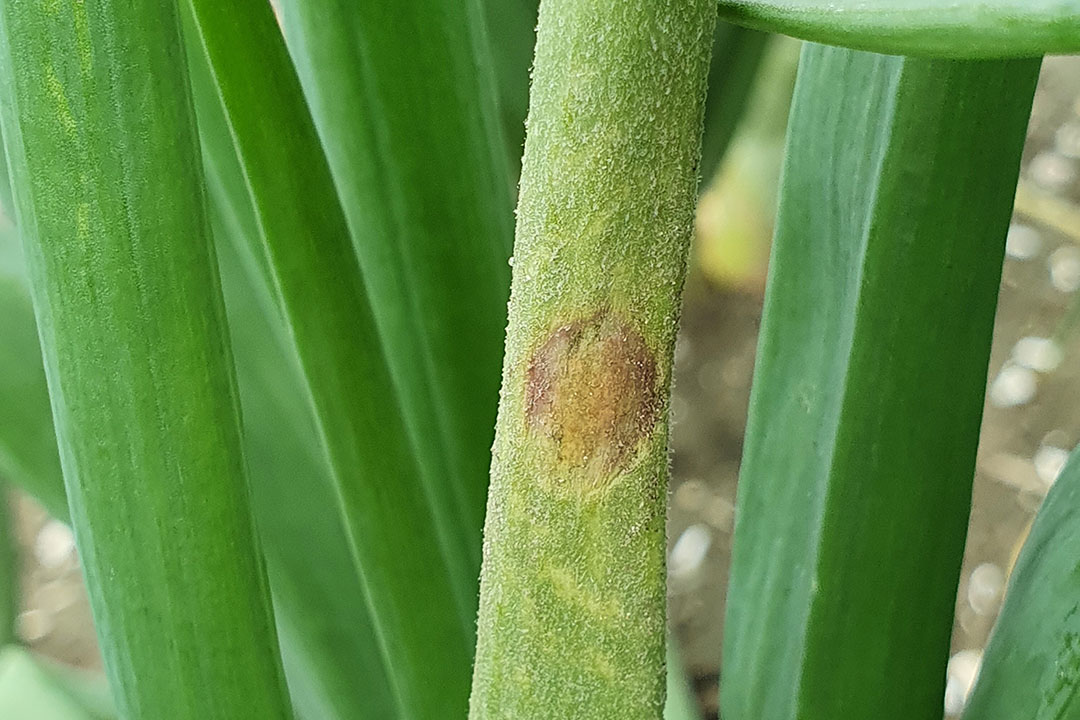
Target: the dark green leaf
(407, 572)
(856, 478)
(511, 26)
(737, 53)
(403, 98)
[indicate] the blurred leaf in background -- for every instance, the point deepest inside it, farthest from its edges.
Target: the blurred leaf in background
(735, 213)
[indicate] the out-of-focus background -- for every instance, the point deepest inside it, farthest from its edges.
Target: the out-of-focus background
(1032, 416)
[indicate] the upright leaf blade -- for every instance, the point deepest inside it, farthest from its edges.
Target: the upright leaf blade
(855, 485)
(403, 97)
(408, 570)
(1031, 668)
(99, 134)
(957, 29)
(331, 656)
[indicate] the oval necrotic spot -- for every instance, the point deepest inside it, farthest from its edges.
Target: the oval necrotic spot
(591, 392)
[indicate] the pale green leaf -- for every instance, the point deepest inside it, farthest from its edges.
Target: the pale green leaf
(35, 689)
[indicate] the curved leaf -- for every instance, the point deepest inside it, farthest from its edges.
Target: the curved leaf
(938, 28)
(1031, 667)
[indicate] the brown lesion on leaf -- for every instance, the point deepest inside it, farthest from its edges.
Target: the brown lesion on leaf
(592, 393)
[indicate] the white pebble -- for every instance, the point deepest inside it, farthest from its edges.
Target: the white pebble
(691, 496)
(689, 551)
(1052, 171)
(1065, 268)
(985, 588)
(1038, 354)
(1014, 386)
(1023, 242)
(720, 513)
(53, 545)
(33, 625)
(1067, 139)
(1049, 461)
(962, 671)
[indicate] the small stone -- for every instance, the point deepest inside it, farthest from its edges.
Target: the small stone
(720, 513)
(54, 545)
(1067, 139)
(33, 625)
(962, 671)
(1023, 242)
(689, 551)
(1038, 354)
(691, 496)
(985, 588)
(1065, 269)
(1049, 461)
(1014, 386)
(1052, 171)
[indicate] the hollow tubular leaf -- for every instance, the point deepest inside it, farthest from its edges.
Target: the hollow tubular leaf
(864, 417)
(1031, 668)
(956, 29)
(425, 640)
(99, 135)
(572, 599)
(403, 97)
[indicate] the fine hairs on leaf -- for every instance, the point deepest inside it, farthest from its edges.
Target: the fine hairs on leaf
(572, 592)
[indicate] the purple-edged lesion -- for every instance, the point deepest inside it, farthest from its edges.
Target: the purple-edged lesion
(592, 394)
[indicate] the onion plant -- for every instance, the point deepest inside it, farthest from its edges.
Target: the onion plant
(259, 271)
